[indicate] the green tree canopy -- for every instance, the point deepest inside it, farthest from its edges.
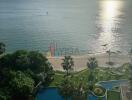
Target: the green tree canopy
(21, 85)
(24, 60)
(66, 88)
(70, 90)
(21, 71)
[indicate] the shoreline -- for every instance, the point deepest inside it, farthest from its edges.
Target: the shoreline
(80, 61)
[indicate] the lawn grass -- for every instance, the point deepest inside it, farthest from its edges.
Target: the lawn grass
(113, 95)
(76, 77)
(101, 74)
(57, 80)
(81, 76)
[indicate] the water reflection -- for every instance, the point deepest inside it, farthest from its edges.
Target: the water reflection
(109, 20)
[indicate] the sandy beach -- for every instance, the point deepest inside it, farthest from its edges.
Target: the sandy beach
(80, 61)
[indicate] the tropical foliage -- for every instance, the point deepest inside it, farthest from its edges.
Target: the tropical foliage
(21, 85)
(67, 64)
(66, 88)
(22, 72)
(92, 64)
(71, 90)
(80, 91)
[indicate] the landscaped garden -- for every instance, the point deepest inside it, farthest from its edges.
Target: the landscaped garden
(102, 74)
(99, 74)
(28, 75)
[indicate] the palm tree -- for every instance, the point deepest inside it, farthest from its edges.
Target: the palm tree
(92, 63)
(109, 54)
(2, 48)
(67, 64)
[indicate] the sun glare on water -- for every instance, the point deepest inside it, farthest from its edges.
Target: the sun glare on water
(110, 9)
(109, 12)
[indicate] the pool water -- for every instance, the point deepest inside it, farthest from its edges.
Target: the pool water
(110, 84)
(48, 94)
(52, 94)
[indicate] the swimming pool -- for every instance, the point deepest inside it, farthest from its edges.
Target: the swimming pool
(52, 94)
(48, 94)
(113, 83)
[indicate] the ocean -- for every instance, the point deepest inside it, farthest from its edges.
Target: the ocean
(83, 26)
